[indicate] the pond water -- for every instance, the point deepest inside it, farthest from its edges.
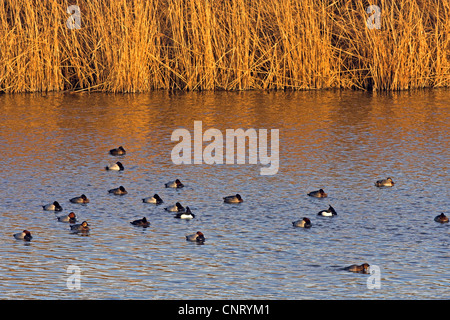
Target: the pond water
(55, 147)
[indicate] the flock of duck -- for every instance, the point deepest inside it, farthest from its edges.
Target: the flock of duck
(181, 212)
(84, 227)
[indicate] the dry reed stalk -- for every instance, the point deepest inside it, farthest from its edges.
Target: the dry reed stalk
(143, 45)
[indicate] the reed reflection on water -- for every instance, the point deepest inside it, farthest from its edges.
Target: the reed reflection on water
(55, 147)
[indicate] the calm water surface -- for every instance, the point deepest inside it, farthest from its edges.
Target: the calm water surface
(55, 147)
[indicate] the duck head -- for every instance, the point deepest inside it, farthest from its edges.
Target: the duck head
(307, 222)
(27, 235)
(179, 206)
(332, 210)
(200, 237)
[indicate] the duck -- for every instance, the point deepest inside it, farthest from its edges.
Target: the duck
(24, 235)
(385, 183)
(196, 237)
(364, 268)
(303, 223)
(318, 194)
(155, 199)
(176, 208)
(442, 218)
(185, 215)
(118, 166)
(233, 199)
(55, 206)
(174, 184)
(71, 218)
(328, 213)
(120, 151)
(80, 199)
(141, 222)
(120, 191)
(84, 226)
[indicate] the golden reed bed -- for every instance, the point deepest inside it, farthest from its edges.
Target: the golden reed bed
(143, 45)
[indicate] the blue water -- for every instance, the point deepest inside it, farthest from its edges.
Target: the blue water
(55, 147)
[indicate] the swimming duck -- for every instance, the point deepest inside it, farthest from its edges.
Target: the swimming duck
(141, 222)
(196, 237)
(24, 235)
(442, 218)
(176, 208)
(155, 199)
(233, 199)
(80, 199)
(118, 166)
(304, 223)
(84, 226)
(55, 206)
(120, 151)
(185, 215)
(71, 218)
(120, 191)
(364, 268)
(384, 183)
(328, 213)
(318, 194)
(174, 184)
